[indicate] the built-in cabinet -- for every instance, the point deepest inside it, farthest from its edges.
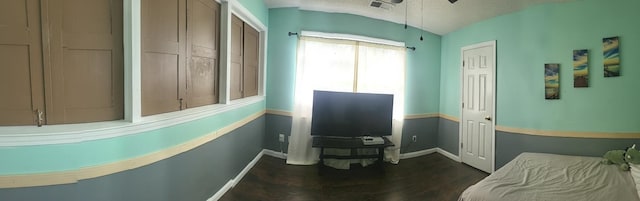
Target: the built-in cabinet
(244, 59)
(180, 65)
(61, 61)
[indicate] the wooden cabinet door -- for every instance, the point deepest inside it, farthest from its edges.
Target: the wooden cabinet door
(163, 55)
(202, 45)
(21, 85)
(85, 74)
(250, 61)
(236, 58)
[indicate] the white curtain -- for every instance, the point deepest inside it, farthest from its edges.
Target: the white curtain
(381, 69)
(346, 66)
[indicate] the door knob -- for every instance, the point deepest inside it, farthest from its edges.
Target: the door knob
(488, 118)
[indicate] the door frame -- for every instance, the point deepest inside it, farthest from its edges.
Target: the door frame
(493, 44)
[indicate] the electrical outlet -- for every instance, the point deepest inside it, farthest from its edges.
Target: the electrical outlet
(281, 137)
(414, 138)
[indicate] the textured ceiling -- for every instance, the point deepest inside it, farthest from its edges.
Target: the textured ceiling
(438, 16)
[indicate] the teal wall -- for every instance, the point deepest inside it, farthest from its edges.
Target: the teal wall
(61, 157)
(258, 9)
(549, 33)
(281, 58)
(423, 65)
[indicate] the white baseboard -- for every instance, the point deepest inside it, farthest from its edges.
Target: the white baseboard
(448, 154)
(222, 191)
(430, 151)
(232, 183)
(417, 153)
(275, 154)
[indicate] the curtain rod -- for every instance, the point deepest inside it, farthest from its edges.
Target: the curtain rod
(296, 34)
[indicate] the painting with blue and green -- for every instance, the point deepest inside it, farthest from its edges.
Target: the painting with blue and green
(580, 68)
(611, 50)
(552, 81)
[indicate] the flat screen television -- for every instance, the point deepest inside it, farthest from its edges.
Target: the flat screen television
(345, 114)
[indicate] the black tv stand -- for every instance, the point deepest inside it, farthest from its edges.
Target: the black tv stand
(348, 143)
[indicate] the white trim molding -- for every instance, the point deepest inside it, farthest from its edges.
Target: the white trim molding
(280, 112)
(233, 182)
(418, 153)
(11, 136)
(430, 151)
(448, 154)
(421, 116)
(275, 154)
(572, 134)
(449, 117)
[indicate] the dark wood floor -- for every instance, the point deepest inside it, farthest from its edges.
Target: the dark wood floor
(430, 177)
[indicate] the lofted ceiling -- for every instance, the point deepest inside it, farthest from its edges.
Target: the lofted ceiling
(439, 16)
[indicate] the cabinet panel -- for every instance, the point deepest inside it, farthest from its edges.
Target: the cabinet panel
(202, 73)
(87, 69)
(87, 17)
(15, 104)
(163, 55)
(89, 85)
(161, 25)
(14, 13)
(13, 21)
(160, 83)
(236, 58)
(250, 61)
(21, 85)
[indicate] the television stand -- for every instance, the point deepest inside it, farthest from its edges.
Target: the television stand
(349, 143)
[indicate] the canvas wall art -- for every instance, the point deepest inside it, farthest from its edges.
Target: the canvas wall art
(580, 68)
(552, 81)
(611, 50)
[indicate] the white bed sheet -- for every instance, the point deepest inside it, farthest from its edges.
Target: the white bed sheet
(550, 177)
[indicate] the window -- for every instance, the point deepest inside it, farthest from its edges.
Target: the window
(74, 75)
(352, 66)
(244, 59)
(336, 62)
(180, 64)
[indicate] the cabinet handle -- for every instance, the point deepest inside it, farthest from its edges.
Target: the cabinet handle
(40, 117)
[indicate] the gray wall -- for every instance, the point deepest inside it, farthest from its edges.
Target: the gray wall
(191, 176)
(448, 136)
(276, 124)
(426, 131)
(509, 145)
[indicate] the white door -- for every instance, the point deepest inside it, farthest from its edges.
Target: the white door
(477, 123)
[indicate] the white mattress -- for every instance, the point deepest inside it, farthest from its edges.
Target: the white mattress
(535, 176)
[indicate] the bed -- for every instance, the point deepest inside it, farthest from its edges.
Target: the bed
(537, 176)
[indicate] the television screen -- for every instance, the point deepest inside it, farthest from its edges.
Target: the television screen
(344, 114)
